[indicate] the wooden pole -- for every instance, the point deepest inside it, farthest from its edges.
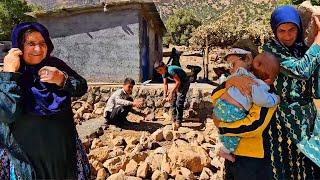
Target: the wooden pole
(207, 58)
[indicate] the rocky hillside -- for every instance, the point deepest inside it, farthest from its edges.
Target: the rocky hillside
(207, 9)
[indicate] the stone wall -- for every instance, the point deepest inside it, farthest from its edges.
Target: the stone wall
(197, 106)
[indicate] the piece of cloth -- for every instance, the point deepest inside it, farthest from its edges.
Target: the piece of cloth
(259, 93)
(14, 163)
(176, 70)
(247, 168)
(117, 99)
(251, 130)
(227, 112)
(178, 100)
(296, 114)
(118, 115)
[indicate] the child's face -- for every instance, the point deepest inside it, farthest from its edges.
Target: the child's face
(161, 70)
(236, 62)
(128, 88)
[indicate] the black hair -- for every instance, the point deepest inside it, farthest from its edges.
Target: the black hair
(159, 64)
(129, 81)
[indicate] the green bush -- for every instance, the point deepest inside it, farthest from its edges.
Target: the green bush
(180, 25)
(244, 19)
(13, 12)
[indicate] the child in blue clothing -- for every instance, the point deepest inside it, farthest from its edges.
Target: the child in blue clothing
(233, 105)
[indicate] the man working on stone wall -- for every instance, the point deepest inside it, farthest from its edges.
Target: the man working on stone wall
(178, 93)
(120, 104)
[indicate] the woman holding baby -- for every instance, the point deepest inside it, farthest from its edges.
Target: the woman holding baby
(292, 140)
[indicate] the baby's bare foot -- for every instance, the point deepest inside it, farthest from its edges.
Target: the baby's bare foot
(227, 156)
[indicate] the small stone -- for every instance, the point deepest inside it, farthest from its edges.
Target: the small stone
(167, 135)
(99, 105)
(131, 141)
(206, 174)
(158, 175)
(77, 104)
(143, 170)
(87, 116)
(118, 176)
(216, 162)
(186, 173)
(129, 148)
(96, 143)
(165, 167)
(102, 174)
(99, 111)
(167, 105)
(119, 141)
(131, 168)
(101, 154)
(96, 166)
(116, 151)
(150, 117)
(114, 164)
(158, 135)
(135, 118)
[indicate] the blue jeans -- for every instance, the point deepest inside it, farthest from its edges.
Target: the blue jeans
(178, 102)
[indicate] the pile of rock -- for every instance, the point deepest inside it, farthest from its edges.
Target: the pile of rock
(92, 104)
(164, 154)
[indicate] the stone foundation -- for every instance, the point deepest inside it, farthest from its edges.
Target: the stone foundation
(197, 106)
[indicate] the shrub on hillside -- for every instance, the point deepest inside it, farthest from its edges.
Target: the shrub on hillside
(180, 25)
(13, 12)
(243, 20)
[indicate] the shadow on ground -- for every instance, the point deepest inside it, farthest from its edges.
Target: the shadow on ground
(142, 126)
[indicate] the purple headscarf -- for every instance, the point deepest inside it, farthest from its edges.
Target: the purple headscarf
(41, 98)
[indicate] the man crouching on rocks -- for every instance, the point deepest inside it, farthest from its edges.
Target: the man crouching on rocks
(178, 93)
(120, 104)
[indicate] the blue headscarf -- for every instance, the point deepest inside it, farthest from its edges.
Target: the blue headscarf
(289, 14)
(286, 14)
(40, 98)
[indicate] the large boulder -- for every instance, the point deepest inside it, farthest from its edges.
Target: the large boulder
(195, 158)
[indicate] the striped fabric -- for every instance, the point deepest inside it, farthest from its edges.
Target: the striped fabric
(294, 131)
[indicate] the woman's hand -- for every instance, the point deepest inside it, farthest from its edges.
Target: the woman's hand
(243, 83)
(52, 75)
(11, 62)
(317, 38)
